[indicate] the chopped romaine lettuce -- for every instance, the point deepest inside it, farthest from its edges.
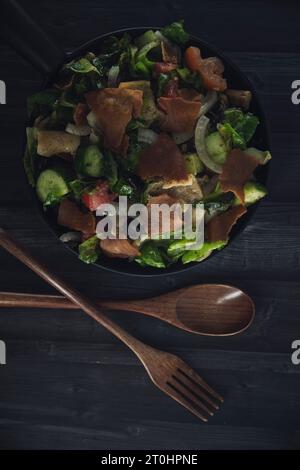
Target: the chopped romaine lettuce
(123, 188)
(189, 79)
(82, 65)
(231, 136)
(42, 102)
(202, 253)
(86, 83)
(247, 127)
(51, 201)
(162, 81)
(89, 250)
(233, 116)
(178, 247)
(145, 38)
(112, 49)
(151, 255)
(142, 64)
(238, 128)
(176, 32)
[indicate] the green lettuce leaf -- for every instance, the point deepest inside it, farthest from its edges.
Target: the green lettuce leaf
(89, 250)
(238, 128)
(231, 136)
(82, 65)
(189, 79)
(141, 65)
(151, 255)
(176, 32)
(42, 103)
(112, 49)
(202, 253)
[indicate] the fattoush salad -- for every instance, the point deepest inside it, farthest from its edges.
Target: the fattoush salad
(149, 118)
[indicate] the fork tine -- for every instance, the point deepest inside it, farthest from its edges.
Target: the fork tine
(189, 393)
(190, 374)
(195, 392)
(177, 396)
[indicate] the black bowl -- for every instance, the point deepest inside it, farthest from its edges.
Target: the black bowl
(236, 79)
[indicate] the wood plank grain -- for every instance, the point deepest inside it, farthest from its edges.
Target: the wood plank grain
(60, 387)
(257, 25)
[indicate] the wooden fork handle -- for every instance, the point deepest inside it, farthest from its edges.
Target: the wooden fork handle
(89, 307)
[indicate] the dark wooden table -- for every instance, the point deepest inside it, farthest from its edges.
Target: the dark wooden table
(60, 388)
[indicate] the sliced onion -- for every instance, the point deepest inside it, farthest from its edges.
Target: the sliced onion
(200, 133)
(208, 102)
(148, 136)
(181, 137)
(92, 119)
(77, 130)
(113, 75)
(70, 237)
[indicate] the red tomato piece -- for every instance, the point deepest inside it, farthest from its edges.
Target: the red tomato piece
(209, 69)
(100, 195)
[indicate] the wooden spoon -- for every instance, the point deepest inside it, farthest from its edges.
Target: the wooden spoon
(207, 309)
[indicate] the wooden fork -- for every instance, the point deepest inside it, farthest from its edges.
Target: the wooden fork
(167, 371)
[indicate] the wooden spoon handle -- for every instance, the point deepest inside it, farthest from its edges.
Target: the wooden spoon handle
(154, 307)
(7, 242)
(22, 300)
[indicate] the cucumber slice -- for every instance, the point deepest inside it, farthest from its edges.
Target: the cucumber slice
(263, 156)
(89, 161)
(216, 147)
(51, 185)
(253, 192)
(193, 163)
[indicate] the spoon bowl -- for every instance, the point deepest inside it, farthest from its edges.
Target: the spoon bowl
(215, 310)
(207, 309)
